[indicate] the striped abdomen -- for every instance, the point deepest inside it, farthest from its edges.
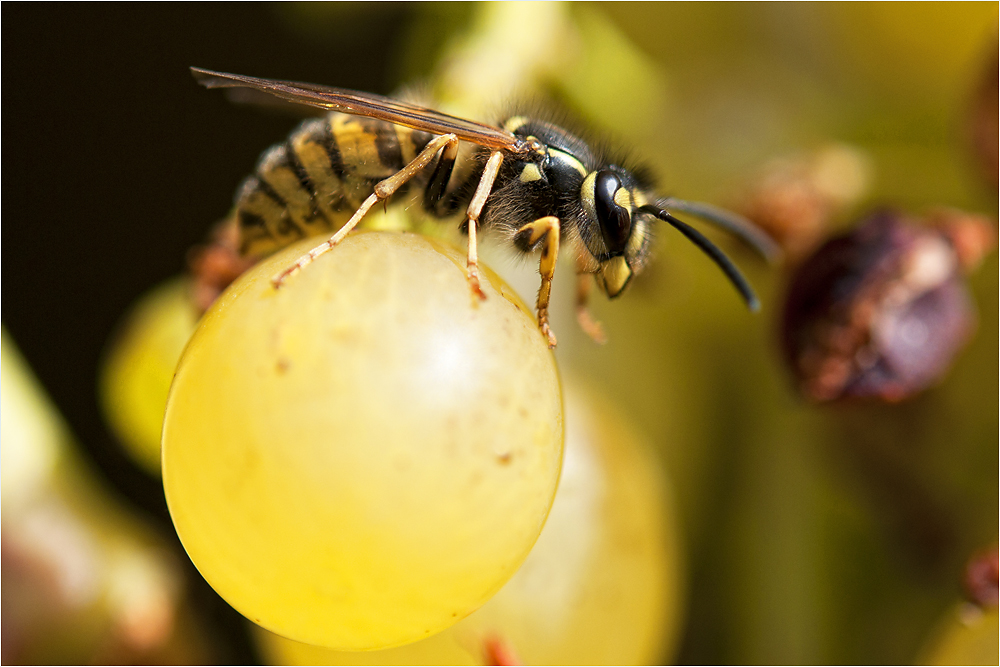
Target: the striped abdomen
(313, 182)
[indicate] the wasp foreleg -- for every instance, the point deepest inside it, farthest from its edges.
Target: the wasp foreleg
(545, 230)
(383, 190)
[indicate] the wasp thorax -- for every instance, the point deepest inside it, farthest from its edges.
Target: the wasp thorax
(615, 219)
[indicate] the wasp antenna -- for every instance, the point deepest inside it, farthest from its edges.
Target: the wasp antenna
(712, 251)
(733, 223)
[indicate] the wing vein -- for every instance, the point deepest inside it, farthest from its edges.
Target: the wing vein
(367, 104)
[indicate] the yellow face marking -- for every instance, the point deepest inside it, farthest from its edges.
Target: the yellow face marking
(530, 173)
(623, 199)
(637, 237)
(640, 229)
(587, 195)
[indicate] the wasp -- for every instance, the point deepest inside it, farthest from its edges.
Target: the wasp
(541, 187)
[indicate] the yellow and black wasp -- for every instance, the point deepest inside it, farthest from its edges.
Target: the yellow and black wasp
(537, 184)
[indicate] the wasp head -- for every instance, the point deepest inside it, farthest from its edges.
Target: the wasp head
(607, 211)
(617, 234)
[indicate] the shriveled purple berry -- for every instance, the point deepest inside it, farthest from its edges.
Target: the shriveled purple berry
(878, 313)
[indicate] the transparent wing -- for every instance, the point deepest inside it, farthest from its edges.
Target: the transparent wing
(366, 104)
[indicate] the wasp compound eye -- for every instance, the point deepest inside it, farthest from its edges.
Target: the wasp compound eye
(615, 220)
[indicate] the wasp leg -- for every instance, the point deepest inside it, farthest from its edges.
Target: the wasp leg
(545, 230)
(436, 197)
(475, 208)
(590, 326)
(383, 190)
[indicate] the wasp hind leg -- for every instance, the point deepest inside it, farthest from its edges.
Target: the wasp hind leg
(547, 231)
(383, 190)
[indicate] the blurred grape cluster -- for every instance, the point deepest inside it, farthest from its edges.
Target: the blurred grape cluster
(816, 484)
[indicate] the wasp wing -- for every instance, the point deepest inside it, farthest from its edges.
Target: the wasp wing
(366, 104)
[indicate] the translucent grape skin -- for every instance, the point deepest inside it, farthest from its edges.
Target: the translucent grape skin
(139, 364)
(601, 586)
(363, 457)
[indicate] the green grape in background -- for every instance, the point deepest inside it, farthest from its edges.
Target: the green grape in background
(362, 458)
(139, 365)
(85, 580)
(969, 636)
(601, 586)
